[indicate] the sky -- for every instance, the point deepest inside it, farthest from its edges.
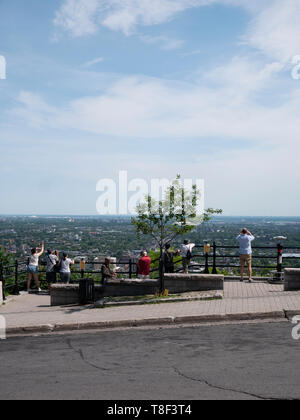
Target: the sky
(209, 89)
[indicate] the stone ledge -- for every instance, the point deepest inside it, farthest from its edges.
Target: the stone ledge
(67, 294)
(291, 279)
(179, 283)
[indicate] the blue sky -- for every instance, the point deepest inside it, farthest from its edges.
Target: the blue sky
(155, 87)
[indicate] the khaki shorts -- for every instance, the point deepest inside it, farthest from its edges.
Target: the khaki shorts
(246, 259)
(185, 262)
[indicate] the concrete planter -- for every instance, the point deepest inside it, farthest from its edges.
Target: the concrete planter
(291, 279)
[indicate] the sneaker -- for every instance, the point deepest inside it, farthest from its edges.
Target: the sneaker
(250, 281)
(39, 290)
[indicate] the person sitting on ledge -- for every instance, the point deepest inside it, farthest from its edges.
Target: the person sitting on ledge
(106, 271)
(144, 266)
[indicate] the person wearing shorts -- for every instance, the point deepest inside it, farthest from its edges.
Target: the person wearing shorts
(244, 239)
(186, 252)
(33, 267)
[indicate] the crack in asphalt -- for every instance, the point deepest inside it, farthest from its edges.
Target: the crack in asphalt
(203, 381)
(83, 358)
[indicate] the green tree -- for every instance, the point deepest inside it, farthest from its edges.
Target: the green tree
(176, 214)
(5, 258)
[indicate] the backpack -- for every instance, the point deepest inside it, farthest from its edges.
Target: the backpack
(189, 254)
(56, 267)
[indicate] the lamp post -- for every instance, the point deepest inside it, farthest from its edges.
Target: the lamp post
(206, 254)
(82, 267)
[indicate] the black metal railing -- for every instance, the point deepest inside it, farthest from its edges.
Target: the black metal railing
(14, 276)
(276, 253)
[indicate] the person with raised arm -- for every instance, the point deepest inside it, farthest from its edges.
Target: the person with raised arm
(33, 267)
(245, 239)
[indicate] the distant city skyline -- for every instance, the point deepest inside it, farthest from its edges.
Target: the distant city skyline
(209, 89)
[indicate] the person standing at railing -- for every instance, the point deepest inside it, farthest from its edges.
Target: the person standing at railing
(52, 261)
(33, 267)
(168, 259)
(65, 271)
(186, 253)
(245, 239)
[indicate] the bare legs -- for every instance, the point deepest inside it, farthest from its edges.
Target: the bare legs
(249, 271)
(36, 280)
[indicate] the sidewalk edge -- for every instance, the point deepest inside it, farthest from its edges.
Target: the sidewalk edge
(103, 325)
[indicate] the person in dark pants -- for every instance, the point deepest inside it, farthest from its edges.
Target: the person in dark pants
(65, 271)
(168, 259)
(52, 260)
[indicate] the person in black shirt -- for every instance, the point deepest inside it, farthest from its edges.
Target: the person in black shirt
(168, 259)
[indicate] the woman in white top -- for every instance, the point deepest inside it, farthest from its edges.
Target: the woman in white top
(65, 272)
(33, 267)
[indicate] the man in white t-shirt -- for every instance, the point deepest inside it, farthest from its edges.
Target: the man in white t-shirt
(186, 253)
(244, 239)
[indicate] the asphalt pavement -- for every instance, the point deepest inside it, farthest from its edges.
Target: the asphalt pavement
(211, 362)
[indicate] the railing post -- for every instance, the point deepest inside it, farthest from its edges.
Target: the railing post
(206, 270)
(2, 280)
(16, 290)
(214, 270)
(279, 258)
(130, 268)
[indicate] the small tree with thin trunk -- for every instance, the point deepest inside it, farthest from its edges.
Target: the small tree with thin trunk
(175, 215)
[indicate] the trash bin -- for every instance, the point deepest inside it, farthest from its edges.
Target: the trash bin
(86, 291)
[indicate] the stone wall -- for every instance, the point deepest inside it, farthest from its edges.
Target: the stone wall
(64, 294)
(180, 283)
(291, 279)
(67, 294)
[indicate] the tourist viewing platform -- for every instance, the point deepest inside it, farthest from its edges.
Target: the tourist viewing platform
(268, 263)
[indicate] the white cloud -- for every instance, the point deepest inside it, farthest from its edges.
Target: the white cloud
(275, 30)
(80, 17)
(165, 43)
(92, 63)
(225, 104)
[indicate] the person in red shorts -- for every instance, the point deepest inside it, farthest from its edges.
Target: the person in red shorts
(144, 266)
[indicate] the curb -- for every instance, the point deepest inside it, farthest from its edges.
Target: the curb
(291, 314)
(103, 325)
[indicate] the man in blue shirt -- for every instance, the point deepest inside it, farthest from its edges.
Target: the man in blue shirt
(245, 238)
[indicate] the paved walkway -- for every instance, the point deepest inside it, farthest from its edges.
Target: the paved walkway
(239, 298)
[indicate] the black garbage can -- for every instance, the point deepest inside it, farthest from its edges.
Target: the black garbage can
(86, 291)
